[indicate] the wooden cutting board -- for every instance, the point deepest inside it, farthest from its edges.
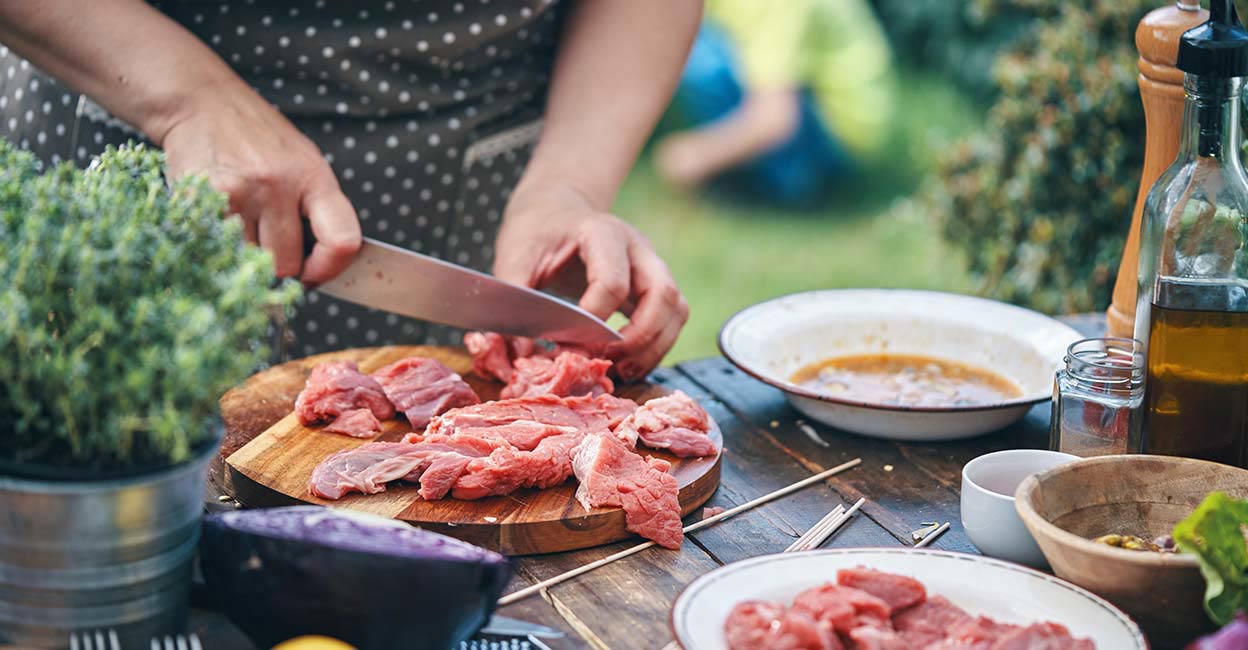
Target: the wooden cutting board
(274, 467)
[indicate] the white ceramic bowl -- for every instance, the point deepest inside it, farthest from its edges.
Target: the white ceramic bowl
(988, 514)
(774, 339)
(982, 586)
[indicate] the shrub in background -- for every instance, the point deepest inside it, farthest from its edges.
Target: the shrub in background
(126, 309)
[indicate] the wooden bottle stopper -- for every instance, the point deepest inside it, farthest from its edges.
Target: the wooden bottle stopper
(1161, 90)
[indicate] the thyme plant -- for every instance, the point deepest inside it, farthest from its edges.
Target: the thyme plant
(127, 307)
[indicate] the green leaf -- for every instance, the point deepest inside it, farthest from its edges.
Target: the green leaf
(1214, 533)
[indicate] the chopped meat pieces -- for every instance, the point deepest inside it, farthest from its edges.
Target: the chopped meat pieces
(422, 388)
(491, 355)
(611, 474)
(674, 422)
(336, 387)
(357, 423)
(367, 468)
(508, 469)
(759, 625)
(712, 511)
(898, 591)
(856, 613)
(525, 421)
(566, 375)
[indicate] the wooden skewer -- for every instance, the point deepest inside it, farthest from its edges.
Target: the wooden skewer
(532, 589)
(836, 525)
(931, 537)
(822, 524)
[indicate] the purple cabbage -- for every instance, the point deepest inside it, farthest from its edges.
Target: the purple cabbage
(1234, 636)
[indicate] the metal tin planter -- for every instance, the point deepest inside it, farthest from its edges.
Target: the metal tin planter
(105, 554)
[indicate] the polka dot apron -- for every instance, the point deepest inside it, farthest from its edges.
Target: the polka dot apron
(427, 111)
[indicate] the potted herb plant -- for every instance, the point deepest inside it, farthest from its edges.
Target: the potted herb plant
(127, 307)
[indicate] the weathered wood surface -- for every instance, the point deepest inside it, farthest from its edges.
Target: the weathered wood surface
(625, 605)
(274, 467)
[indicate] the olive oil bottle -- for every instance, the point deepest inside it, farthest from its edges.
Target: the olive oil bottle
(1192, 313)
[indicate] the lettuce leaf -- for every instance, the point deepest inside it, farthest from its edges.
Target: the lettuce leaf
(1214, 533)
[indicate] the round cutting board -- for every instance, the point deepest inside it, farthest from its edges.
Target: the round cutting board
(273, 468)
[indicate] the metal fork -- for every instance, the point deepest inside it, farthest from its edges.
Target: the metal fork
(94, 640)
(177, 642)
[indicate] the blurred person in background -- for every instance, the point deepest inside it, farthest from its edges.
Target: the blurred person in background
(780, 100)
(494, 134)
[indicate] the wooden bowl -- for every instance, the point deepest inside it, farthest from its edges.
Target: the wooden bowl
(1064, 508)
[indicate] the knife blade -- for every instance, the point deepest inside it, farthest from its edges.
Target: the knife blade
(499, 625)
(397, 280)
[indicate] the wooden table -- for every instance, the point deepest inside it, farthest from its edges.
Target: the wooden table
(625, 605)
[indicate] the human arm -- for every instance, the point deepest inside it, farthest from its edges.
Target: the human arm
(617, 66)
(184, 98)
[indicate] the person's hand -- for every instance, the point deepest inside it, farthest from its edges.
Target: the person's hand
(553, 237)
(273, 174)
(681, 162)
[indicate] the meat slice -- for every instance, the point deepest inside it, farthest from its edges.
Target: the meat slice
(870, 637)
(898, 591)
(760, 625)
(357, 423)
(525, 422)
(1041, 636)
(566, 375)
(926, 623)
(980, 633)
(611, 474)
(336, 387)
(844, 608)
(674, 422)
(368, 468)
(491, 356)
(508, 469)
(422, 388)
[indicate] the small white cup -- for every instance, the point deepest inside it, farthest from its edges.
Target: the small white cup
(988, 514)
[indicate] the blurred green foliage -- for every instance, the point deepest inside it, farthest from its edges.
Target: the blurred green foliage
(126, 309)
(1040, 199)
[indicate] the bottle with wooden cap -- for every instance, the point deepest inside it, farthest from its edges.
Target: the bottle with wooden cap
(1192, 307)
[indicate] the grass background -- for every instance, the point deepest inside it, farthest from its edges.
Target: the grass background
(726, 255)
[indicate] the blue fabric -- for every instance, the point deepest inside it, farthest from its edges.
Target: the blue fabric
(795, 172)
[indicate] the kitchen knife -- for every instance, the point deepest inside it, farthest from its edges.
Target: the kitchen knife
(397, 280)
(505, 626)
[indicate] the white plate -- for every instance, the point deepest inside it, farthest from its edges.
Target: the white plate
(982, 586)
(774, 339)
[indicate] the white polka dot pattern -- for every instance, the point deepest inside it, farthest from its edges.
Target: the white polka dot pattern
(397, 93)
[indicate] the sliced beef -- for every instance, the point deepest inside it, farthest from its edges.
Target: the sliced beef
(336, 387)
(422, 388)
(566, 375)
(898, 591)
(525, 422)
(674, 422)
(926, 623)
(759, 625)
(871, 637)
(491, 356)
(357, 423)
(368, 468)
(844, 608)
(508, 469)
(611, 474)
(979, 633)
(1041, 636)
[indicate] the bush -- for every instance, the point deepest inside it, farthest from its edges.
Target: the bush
(126, 309)
(1041, 199)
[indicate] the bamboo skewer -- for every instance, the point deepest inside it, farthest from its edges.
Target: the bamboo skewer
(535, 588)
(820, 532)
(931, 537)
(822, 524)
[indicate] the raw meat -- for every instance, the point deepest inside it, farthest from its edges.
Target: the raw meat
(357, 423)
(712, 511)
(760, 625)
(611, 474)
(566, 375)
(927, 623)
(422, 388)
(674, 422)
(870, 637)
(898, 591)
(1041, 636)
(525, 422)
(491, 356)
(508, 469)
(980, 633)
(336, 387)
(844, 608)
(367, 468)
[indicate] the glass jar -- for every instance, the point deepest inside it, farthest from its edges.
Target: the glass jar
(1097, 398)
